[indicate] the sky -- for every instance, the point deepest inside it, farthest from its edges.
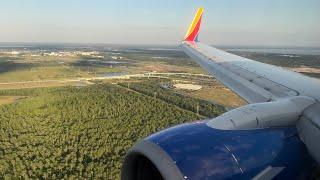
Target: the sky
(225, 22)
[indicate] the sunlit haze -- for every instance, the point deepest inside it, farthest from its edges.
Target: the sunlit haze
(228, 22)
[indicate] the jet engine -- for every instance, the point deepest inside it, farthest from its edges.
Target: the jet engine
(261, 149)
(196, 151)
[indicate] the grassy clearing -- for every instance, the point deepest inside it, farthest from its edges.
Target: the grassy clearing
(221, 95)
(9, 99)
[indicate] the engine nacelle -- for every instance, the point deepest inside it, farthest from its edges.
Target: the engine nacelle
(197, 151)
(309, 130)
(280, 113)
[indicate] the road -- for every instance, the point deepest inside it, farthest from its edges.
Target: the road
(86, 81)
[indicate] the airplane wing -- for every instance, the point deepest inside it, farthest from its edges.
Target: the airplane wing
(252, 80)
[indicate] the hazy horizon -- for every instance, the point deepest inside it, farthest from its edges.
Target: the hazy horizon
(173, 45)
(291, 23)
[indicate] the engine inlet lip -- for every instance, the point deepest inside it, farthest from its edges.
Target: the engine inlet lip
(160, 159)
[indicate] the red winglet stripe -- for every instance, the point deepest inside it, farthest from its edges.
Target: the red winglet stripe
(195, 32)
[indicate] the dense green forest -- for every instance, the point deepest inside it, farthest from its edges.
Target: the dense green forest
(80, 132)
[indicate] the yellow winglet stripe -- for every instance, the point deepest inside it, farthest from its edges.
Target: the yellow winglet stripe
(194, 22)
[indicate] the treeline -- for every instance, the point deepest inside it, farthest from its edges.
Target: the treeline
(79, 133)
(154, 89)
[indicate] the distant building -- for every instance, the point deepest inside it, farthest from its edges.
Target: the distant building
(116, 57)
(15, 52)
(88, 53)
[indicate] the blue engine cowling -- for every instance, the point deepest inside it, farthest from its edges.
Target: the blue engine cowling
(196, 151)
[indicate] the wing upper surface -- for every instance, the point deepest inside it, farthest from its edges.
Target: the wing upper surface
(252, 80)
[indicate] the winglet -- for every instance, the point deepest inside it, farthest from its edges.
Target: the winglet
(193, 31)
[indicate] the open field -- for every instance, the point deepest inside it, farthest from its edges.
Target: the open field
(221, 96)
(211, 90)
(9, 99)
(44, 83)
(163, 67)
(41, 73)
